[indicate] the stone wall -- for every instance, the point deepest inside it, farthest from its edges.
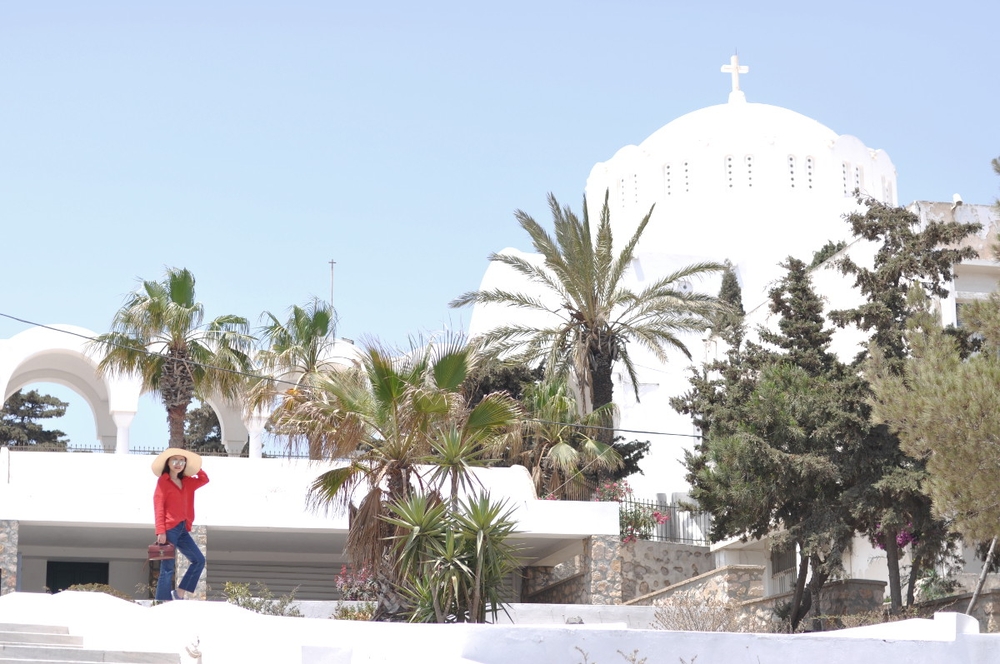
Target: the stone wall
(732, 583)
(612, 572)
(602, 570)
(651, 566)
(987, 610)
(848, 597)
(8, 556)
(564, 591)
(539, 578)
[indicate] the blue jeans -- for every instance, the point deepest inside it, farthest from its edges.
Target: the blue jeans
(180, 538)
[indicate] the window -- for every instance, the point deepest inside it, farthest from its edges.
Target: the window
(809, 171)
(61, 574)
(782, 560)
(791, 170)
(729, 170)
(748, 160)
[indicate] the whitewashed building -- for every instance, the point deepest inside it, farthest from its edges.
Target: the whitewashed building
(753, 184)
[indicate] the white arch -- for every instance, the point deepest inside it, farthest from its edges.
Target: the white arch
(59, 354)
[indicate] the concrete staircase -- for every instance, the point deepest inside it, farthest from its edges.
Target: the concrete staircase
(44, 644)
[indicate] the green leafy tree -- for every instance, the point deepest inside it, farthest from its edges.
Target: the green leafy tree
(946, 411)
(491, 375)
(19, 420)
(160, 336)
(202, 431)
(731, 315)
(888, 494)
(779, 421)
(297, 353)
(596, 316)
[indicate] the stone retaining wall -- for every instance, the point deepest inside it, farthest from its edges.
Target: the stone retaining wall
(732, 583)
(8, 556)
(539, 578)
(651, 566)
(564, 591)
(848, 597)
(987, 610)
(612, 572)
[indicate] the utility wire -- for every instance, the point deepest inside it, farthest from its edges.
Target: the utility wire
(256, 376)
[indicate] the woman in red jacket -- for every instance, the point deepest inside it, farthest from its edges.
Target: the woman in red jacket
(180, 474)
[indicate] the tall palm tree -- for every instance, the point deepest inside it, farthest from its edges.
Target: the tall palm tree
(159, 334)
(297, 353)
(598, 316)
(389, 415)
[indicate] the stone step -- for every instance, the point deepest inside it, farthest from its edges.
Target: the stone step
(22, 654)
(18, 637)
(45, 629)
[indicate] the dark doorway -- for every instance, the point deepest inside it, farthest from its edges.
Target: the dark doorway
(61, 574)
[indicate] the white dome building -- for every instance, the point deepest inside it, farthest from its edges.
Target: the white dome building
(753, 183)
(747, 182)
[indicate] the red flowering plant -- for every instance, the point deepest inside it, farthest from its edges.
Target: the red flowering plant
(356, 585)
(903, 537)
(635, 520)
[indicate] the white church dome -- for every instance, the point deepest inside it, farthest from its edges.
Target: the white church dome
(748, 182)
(741, 128)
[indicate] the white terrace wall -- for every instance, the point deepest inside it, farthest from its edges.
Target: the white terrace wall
(229, 635)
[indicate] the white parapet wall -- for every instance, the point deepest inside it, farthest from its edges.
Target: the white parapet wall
(225, 634)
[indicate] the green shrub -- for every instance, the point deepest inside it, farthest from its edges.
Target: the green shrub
(364, 611)
(101, 588)
(258, 598)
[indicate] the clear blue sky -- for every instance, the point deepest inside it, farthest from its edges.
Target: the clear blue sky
(253, 142)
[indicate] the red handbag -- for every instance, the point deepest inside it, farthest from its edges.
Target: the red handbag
(160, 552)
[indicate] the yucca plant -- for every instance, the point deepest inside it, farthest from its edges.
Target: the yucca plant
(453, 563)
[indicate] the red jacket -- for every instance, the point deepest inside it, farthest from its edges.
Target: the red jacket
(172, 505)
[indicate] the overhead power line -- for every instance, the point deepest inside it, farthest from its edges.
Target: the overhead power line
(256, 376)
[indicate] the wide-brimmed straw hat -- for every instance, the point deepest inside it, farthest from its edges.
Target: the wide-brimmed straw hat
(193, 460)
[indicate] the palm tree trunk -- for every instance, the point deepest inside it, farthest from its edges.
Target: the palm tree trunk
(603, 387)
(602, 380)
(175, 425)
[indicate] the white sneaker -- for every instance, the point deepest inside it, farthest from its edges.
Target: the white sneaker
(174, 595)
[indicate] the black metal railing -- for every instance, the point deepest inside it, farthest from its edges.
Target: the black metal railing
(149, 451)
(659, 522)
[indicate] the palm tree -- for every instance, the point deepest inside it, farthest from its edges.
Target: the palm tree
(297, 353)
(387, 416)
(159, 334)
(598, 315)
(561, 446)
